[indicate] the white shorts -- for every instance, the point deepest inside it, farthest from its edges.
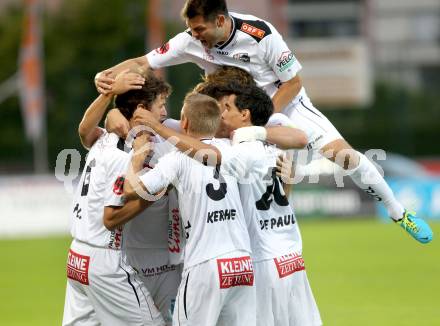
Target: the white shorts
(219, 292)
(102, 290)
(160, 278)
(319, 130)
(284, 296)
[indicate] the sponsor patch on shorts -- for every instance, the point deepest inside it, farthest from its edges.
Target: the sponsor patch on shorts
(235, 272)
(78, 267)
(289, 264)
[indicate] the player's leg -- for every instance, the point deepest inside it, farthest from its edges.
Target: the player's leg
(239, 306)
(266, 298)
(117, 294)
(302, 307)
(365, 175)
(198, 300)
(78, 310)
(165, 295)
(160, 278)
(325, 139)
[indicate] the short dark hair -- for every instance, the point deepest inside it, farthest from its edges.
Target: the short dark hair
(249, 97)
(256, 101)
(208, 9)
(153, 87)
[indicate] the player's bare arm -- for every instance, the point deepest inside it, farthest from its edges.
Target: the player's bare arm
(88, 128)
(286, 93)
(286, 137)
(184, 143)
(115, 216)
(104, 80)
(132, 185)
(115, 122)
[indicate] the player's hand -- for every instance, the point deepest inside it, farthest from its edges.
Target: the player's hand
(104, 82)
(285, 168)
(116, 122)
(251, 133)
(142, 144)
(146, 118)
(126, 81)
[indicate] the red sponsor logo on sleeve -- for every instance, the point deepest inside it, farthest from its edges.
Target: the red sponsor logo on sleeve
(164, 48)
(235, 272)
(249, 29)
(118, 186)
(289, 264)
(78, 267)
(116, 238)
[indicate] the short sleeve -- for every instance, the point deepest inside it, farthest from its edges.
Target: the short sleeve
(116, 163)
(171, 53)
(165, 172)
(279, 57)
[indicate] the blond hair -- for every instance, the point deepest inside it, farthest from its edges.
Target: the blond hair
(203, 113)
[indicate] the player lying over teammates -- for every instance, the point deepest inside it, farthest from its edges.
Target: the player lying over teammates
(284, 296)
(217, 37)
(102, 287)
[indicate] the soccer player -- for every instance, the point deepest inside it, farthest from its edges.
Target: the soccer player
(102, 289)
(284, 296)
(145, 237)
(217, 281)
(216, 37)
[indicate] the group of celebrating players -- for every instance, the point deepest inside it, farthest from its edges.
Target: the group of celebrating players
(173, 222)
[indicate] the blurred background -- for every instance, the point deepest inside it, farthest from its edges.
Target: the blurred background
(372, 67)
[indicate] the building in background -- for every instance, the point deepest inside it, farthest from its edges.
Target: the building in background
(405, 41)
(345, 43)
(330, 40)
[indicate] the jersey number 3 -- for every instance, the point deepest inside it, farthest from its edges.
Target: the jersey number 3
(220, 193)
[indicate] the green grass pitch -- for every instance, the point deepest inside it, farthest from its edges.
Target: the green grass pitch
(362, 272)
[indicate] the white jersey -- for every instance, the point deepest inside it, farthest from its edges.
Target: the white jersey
(271, 220)
(254, 45)
(150, 228)
(100, 185)
(210, 206)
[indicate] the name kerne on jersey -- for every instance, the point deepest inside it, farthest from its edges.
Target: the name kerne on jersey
(221, 215)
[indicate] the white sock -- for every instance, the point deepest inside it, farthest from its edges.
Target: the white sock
(368, 178)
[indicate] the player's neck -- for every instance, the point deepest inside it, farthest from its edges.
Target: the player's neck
(200, 136)
(228, 29)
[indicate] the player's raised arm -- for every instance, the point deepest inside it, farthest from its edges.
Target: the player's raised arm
(88, 129)
(104, 80)
(115, 122)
